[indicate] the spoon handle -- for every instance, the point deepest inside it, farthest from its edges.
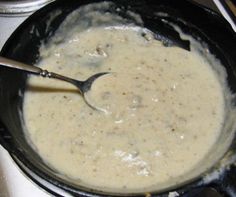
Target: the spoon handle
(38, 71)
(21, 66)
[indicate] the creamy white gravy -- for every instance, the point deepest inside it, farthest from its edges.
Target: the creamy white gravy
(164, 109)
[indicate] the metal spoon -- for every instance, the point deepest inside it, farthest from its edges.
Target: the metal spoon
(83, 86)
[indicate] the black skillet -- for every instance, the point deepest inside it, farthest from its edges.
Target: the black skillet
(23, 45)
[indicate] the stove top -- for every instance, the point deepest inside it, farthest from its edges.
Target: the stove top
(21, 7)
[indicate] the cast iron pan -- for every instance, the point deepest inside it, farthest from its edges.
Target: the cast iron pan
(23, 45)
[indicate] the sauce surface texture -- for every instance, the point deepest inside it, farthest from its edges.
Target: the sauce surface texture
(163, 109)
